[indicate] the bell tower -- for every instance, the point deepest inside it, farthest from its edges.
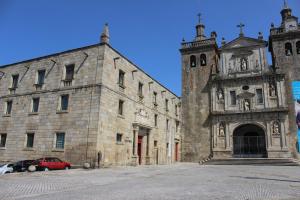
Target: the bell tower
(284, 45)
(199, 62)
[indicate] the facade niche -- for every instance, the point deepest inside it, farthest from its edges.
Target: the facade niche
(222, 129)
(203, 59)
(288, 49)
(193, 61)
(298, 47)
(244, 64)
(276, 128)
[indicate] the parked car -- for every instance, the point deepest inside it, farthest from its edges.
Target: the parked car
(50, 163)
(7, 168)
(22, 166)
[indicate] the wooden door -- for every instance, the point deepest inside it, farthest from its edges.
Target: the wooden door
(140, 147)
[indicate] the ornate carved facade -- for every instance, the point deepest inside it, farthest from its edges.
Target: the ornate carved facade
(237, 105)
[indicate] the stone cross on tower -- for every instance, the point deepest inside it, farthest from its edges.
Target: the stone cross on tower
(285, 5)
(199, 18)
(241, 25)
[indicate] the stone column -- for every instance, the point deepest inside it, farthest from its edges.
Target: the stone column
(227, 137)
(135, 146)
(148, 148)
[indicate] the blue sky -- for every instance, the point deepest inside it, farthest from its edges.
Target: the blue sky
(148, 32)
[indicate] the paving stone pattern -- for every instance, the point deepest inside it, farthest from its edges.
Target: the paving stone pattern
(180, 181)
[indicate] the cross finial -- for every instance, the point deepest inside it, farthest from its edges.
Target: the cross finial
(241, 25)
(199, 18)
(285, 5)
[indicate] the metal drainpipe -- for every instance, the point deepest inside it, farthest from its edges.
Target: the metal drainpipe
(91, 98)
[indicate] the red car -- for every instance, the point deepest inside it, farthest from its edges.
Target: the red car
(49, 163)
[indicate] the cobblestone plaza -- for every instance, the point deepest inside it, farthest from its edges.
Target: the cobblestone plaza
(179, 181)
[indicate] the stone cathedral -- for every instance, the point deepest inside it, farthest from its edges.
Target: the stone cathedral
(234, 103)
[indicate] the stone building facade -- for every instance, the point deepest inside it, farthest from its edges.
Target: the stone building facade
(234, 104)
(84, 104)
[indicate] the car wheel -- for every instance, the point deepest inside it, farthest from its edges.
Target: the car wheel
(46, 169)
(6, 172)
(67, 168)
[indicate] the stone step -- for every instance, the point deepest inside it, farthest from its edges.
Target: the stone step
(253, 161)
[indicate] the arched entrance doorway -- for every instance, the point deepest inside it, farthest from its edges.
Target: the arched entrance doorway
(249, 141)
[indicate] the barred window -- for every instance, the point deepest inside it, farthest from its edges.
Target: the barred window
(30, 140)
(60, 141)
(3, 140)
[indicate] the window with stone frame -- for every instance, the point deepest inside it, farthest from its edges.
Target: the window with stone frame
(60, 140)
(232, 98)
(3, 137)
(41, 77)
(121, 109)
(177, 125)
(176, 110)
(35, 105)
(167, 104)
(140, 90)
(259, 96)
(155, 120)
(193, 61)
(121, 78)
(167, 124)
(69, 72)
(288, 49)
(8, 107)
(64, 102)
(298, 47)
(155, 98)
(15, 81)
(29, 140)
(119, 137)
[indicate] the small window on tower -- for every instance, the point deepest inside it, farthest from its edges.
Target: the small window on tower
(193, 61)
(298, 47)
(203, 59)
(288, 49)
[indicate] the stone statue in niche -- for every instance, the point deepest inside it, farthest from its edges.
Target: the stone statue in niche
(220, 94)
(246, 105)
(256, 65)
(272, 89)
(276, 130)
(222, 129)
(243, 64)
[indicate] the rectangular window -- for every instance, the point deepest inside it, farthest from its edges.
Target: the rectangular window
(155, 120)
(155, 143)
(15, 80)
(69, 72)
(155, 98)
(3, 140)
(35, 105)
(120, 111)
(140, 91)
(177, 125)
(119, 137)
(64, 102)
(8, 107)
(167, 124)
(60, 141)
(259, 96)
(121, 78)
(233, 98)
(30, 140)
(176, 111)
(167, 104)
(41, 77)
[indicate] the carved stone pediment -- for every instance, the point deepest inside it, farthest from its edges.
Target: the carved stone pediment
(142, 117)
(245, 95)
(243, 42)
